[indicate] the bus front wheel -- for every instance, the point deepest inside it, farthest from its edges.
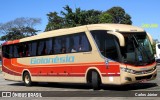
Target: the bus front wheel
(27, 79)
(95, 80)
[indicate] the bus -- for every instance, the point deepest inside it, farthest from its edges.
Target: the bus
(95, 54)
(158, 53)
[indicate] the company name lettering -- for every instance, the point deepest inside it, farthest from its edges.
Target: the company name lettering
(56, 59)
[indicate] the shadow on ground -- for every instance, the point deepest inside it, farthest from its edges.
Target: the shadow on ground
(137, 86)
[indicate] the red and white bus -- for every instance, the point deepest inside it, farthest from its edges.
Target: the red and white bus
(97, 54)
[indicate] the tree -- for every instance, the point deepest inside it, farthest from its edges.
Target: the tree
(70, 18)
(80, 17)
(119, 15)
(105, 18)
(19, 28)
(54, 21)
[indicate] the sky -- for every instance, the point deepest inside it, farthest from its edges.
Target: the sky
(143, 12)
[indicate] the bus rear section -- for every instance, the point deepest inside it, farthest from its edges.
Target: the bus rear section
(157, 53)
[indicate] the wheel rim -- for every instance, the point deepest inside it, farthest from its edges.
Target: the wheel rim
(27, 79)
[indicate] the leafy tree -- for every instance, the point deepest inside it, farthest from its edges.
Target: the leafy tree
(105, 18)
(80, 17)
(70, 18)
(92, 16)
(19, 28)
(119, 15)
(54, 21)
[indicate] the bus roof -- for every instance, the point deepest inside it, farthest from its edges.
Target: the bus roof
(58, 32)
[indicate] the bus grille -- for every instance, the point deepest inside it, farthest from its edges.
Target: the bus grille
(144, 77)
(145, 71)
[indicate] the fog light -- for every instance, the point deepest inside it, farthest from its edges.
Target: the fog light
(128, 79)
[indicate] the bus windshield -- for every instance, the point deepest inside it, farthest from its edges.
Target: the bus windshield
(138, 50)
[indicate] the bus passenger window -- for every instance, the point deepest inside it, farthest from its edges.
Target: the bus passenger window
(41, 48)
(29, 49)
(63, 50)
(26, 50)
(73, 49)
(49, 46)
(10, 51)
(84, 44)
(34, 48)
(16, 54)
(57, 45)
(5, 51)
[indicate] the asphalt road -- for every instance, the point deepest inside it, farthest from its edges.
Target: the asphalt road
(154, 85)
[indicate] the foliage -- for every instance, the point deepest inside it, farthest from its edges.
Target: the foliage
(70, 18)
(154, 47)
(79, 17)
(119, 15)
(19, 28)
(105, 18)
(55, 21)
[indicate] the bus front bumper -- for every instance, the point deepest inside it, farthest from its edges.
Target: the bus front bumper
(128, 78)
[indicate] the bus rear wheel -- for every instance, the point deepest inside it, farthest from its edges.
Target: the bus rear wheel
(95, 80)
(27, 79)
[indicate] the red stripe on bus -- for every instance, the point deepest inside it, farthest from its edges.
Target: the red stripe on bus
(59, 75)
(10, 42)
(108, 75)
(10, 72)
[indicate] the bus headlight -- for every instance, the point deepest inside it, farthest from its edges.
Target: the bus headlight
(128, 70)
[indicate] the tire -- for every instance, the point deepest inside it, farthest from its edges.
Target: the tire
(95, 81)
(27, 79)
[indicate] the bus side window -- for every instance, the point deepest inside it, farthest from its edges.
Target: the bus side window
(57, 46)
(48, 46)
(29, 49)
(34, 48)
(67, 45)
(10, 51)
(84, 45)
(16, 54)
(63, 40)
(79, 43)
(72, 44)
(41, 48)
(5, 51)
(26, 50)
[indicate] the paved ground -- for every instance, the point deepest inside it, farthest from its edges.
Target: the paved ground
(147, 86)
